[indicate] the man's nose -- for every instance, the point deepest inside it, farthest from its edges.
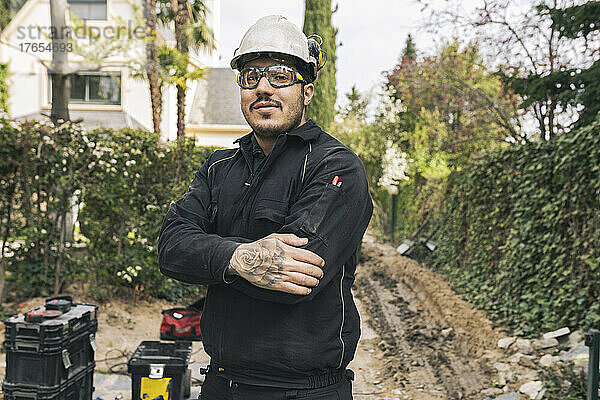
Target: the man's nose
(264, 86)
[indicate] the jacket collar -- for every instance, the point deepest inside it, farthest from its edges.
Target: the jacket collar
(308, 132)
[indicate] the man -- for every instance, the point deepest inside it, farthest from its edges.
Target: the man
(272, 228)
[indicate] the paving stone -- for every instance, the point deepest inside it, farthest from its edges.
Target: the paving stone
(120, 382)
(524, 346)
(548, 359)
(580, 351)
(504, 343)
(575, 338)
(527, 362)
(540, 344)
(99, 379)
(531, 389)
(509, 396)
(517, 357)
(505, 377)
(491, 391)
(557, 333)
(501, 366)
(110, 387)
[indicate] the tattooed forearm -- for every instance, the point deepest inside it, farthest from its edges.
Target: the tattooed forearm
(276, 262)
(260, 262)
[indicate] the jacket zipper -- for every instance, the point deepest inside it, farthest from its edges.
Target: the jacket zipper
(247, 187)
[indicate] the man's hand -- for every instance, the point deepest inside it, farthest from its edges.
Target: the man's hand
(275, 262)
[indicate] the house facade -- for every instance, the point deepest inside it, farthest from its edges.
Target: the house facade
(106, 87)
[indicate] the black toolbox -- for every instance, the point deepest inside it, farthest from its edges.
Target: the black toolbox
(160, 369)
(79, 387)
(50, 351)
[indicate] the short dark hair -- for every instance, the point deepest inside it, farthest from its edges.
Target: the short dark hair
(305, 72)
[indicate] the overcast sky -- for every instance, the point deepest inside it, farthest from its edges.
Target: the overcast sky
(372, 34)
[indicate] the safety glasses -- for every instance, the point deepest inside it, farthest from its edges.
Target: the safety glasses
(277, 75)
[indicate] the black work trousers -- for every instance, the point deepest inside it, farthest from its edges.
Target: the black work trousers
(218, 388)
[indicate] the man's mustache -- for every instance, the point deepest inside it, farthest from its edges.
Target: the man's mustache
(265, 99)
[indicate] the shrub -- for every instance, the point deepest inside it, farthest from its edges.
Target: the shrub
(520, 233)
(124, 181)
(131, 184)
(43, 166)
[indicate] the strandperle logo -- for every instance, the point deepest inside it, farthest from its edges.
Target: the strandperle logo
(91, 33)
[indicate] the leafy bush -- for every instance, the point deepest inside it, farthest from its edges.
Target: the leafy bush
(131, 184)
(520, 233)
(564, 382)
(125, 181)
(42, 167)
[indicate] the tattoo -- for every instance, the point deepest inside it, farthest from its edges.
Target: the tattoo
(260, 262)
(230, 272)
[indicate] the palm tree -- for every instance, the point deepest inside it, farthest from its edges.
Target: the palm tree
(191, 33)
(59, 69)
(152, 64)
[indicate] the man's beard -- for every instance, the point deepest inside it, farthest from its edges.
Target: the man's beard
(292, 118)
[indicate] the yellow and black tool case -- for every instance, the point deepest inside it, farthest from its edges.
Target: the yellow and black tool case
(50, 351)
(160, 371)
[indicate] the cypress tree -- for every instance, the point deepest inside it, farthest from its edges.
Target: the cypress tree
(317, 19)
(409, 48)
(3, 87)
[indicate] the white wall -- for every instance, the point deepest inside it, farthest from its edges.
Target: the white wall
(168, 122)
(27, 74)
(135, 94)
(24, 82)
(216, 135)
(28, 83)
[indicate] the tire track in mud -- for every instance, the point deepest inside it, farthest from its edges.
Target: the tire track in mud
(429, 353)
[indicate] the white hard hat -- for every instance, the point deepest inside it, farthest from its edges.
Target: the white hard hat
(275, 35)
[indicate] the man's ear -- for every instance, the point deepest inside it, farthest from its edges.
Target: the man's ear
(309, 91)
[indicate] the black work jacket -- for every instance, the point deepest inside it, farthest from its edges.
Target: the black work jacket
(261, 336)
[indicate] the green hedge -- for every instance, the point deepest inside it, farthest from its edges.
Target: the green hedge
(41, 170)
(520, 233)
(130, 186)
(124, 182)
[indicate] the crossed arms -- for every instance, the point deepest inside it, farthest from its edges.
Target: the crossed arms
(322, 230)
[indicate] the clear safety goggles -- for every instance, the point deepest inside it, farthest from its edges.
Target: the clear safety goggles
(277, 75)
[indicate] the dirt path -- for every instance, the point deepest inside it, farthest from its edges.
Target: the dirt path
(435, 345)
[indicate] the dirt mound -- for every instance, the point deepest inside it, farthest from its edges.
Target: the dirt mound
(434, 342)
